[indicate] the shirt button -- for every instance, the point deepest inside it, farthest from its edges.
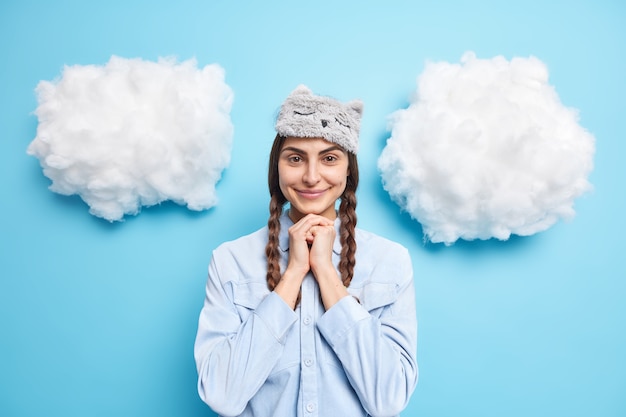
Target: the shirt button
(307, 320)
(310, 407)
(308, 362)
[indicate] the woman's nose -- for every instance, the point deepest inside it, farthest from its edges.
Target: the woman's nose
(312, 174)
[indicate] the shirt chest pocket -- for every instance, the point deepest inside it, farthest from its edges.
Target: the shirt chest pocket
(375, 296)
(247, 296)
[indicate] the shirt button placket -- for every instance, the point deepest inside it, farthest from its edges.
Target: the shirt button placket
(307, 346)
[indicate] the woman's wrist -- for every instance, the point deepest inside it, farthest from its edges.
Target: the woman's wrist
(288, 287)
(331, 287)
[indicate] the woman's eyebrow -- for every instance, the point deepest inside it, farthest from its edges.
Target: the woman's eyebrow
(332, 148)
(291, 149)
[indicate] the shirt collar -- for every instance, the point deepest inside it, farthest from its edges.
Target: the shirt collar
(286, 223)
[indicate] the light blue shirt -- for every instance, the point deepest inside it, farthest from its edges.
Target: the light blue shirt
(255, 356)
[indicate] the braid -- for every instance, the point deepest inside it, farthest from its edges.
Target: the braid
(347, 215)
(277, 201)
(272, 251)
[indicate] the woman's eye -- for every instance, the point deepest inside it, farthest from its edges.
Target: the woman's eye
(330, 158)
(295, 159)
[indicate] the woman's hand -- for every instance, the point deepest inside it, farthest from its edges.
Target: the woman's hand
(322, 238)
(302, 242)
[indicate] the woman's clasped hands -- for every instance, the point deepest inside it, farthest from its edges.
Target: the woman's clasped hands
(311, 242)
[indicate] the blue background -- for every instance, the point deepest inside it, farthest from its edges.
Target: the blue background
(99, 319)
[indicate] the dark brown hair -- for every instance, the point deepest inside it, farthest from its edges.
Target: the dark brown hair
(347, 216)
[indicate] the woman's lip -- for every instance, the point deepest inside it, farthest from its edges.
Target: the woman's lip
(311, 193)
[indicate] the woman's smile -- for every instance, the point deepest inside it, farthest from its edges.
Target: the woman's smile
(312, 194)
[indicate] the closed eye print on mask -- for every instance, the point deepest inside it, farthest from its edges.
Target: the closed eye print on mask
(304, 111)
(340, 118)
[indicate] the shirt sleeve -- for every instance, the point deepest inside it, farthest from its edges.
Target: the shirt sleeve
(234, 356)
(377, 348)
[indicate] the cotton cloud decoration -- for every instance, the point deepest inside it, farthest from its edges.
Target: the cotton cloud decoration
(135, 133)
(486, 149)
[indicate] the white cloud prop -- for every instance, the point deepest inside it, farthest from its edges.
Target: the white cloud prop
(135, 133)
(485, 150)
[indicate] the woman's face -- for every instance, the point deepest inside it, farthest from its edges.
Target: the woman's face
(312, 175)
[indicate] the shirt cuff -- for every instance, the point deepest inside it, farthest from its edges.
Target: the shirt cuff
(340, 318)
(276, 315)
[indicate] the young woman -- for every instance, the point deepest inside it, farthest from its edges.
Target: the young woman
(309, 316)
